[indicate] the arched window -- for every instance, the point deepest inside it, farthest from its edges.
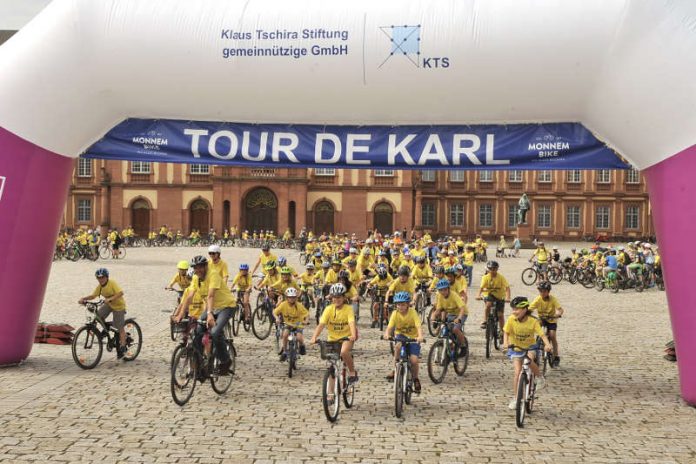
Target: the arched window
(323, 217)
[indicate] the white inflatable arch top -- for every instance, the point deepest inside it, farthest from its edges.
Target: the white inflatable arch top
(470, 84)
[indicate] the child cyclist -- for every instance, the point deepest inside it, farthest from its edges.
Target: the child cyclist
(180, 278)
(405, 325)
(520, 335)
(242, 284)
(339, 318)
(381, 282)
(450, 307)
(293, 314)
(549, 310)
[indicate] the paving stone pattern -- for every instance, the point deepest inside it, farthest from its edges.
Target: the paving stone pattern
(613, 400)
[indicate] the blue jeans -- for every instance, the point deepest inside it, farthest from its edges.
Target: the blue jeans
(469, 272)
(217, 333)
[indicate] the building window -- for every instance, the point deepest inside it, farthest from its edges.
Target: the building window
(514, 176)
(574, 176)
(456, 176)
(573, 217)
(512, 215)
(633, 176)
(632, 217)
(84, 167)
(384, 173)
(486, 176)
(544, 176)
(486, 215)
(603, 176)
(140, 167)
(544, 216)
(199, 169)
(84, 210)
(457, 215)
(602, 217)
(428, 176)
(325, 172)
(428, 215)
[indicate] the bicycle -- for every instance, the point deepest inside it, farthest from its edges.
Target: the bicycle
(238, 316)
(421, 300)
(89, 339)
(172, 324)
(190, 364)
(531, 274)
(335, 383)
(447, 350)
(403, 377)
(548, 360)
(293, 351)
(526, 390)
(493, 333)
(611, 281)
(262, 317)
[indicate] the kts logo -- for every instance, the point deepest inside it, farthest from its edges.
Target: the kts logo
(406, 42)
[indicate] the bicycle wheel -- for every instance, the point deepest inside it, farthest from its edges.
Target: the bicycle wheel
(433, 326)
(380, 314)
(520, 401)
(183, 374)
(545, 362)
(236, 320)
(172, 326)
(531, 394)
(348, 395)
(222, 383)
(134, 340)
(599, 285)
(489, 337)
(408, 386)
(92, 254)
(529, 276)
(276, 337)
(461, 361)
(329, 395)
(555, 275)
(261, 324)
(104, 252)
(437, 362)
(121, 253)
(588, 280)
(87, 347)
(399, 390)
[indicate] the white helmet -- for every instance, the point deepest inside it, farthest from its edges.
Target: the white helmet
(337, 289)
(214, 249)
(291, 292)
(353, 250)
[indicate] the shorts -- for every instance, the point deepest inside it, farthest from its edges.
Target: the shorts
(119, 319)
(460, 326)
(499, 305)
(414, 349)
(543, 267)
(512, 354)
(549, 325)
(297, 331)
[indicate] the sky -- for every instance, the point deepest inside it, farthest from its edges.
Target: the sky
(16, 13)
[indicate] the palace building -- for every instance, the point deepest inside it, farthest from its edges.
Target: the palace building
(565, 204)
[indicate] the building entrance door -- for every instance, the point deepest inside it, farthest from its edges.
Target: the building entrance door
(261, 211)
(140, 218)
(200, 217)
(323, 218)
(384, 218)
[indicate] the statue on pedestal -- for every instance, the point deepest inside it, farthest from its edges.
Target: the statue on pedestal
(524, 204)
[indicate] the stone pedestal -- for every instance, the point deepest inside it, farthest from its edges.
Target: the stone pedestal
(524, 234)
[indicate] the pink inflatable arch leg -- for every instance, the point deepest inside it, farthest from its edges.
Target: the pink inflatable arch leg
(33, 187)
(672, 188)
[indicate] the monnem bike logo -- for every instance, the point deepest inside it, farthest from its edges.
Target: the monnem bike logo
(151, 142)
(405, 42)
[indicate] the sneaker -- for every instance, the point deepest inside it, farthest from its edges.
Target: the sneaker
(283, 357)
(390, 377)
(512, 404)
(353, 379)
(540, 382)
(483, 325)
(416, 386)
(374, 324)
(120, 352)
(556, 361)
(303, 350)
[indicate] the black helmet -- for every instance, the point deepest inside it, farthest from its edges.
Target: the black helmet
(492, 265)
(404, 271)
(439, 269)
(544, 286)
(343, 274)
(199, 261)
(520, 302)
(101, 272)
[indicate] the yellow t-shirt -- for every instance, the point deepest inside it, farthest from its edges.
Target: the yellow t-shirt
(307, 279)
(270, 280)
(331, 277)
(468, 258)
(459, 284)
(494, 287)
(355, 276)
(196, 307)
(545, 309)
(406, 325)
(110, 289)
(522, 334)
(280, 286)
(408, 286)
(542, 255)
(351, 293)
(381, 283)
(264, 259)
(451, 304)
(223, 297)
(182, 281)
(241, 282)
(292, 315)
(336, 320)
(422, 274)
(220, 268)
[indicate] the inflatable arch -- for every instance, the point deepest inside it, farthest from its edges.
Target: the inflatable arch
(497, 84)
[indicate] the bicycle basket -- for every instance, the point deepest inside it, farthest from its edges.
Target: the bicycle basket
(330, 350)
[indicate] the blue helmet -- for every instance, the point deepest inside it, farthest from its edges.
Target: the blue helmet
(282, 261)
(102, 272)
(243, 267)
(402, 297)
(442, 283)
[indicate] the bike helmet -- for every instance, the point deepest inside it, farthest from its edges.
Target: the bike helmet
(291, 292)
(344, 274)
(459, 268)
(544, 286)
(492, 265)
(317, 254)
(520, 302)
(352, 262)
(282, 261)
(366, 251)
(442, 284)
(310, 266)
(337, 289)
(265, 247)
(336, 262)
(450, 270)
(326, 265)
(214, 249)
(420, 259)
(243, 267)
(102, 272)
(270, 265)
(439, 269)
(199, 261)
(404, 271)
(402, 297)
(285, 270)
(353, 251)
(382, 272)
(182, 265)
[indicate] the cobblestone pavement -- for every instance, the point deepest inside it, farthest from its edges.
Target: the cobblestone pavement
(613, 400)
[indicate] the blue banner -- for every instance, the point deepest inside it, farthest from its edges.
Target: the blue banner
(515, 146)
